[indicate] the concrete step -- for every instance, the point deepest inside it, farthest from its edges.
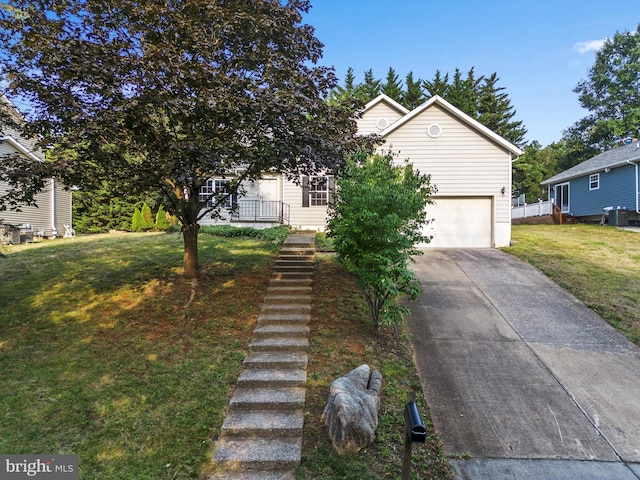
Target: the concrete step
(294, 266)
(280, 331)
(255, 475)
(263, 423)
(289, 290)
(291, 275)
(272, 378)
(258, 453)
(276, 360)
(292, 299)
(290, 282)
(297, 251)
(287, 344)
(293, 260)
(283, 319)
(284, 309)
(271, 398)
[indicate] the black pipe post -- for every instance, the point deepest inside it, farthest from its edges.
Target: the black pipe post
(414, 432)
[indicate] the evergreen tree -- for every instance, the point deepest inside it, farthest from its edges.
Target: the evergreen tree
(392, 86)
(161, 223)
(350, 96)
(147, 217)
(496, 112)
(370, 88)
(438, 86)
(137, 221)
(464, 93)
(414, 95)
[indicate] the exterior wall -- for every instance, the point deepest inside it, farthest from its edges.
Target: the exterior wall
(617, 188)
(251, 193)
(462, 163)
(368, 123)
(49, 217)
(308, 218)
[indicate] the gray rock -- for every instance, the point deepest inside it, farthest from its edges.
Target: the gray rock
(351, 413)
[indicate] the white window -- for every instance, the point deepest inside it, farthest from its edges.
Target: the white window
(594, 181)
(214, 190)
(318, 191)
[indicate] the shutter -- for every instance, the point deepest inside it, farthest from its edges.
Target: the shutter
(305, 191)
(332, 186)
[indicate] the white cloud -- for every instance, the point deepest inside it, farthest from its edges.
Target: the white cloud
(589, 46)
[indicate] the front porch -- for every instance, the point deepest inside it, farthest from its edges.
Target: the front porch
(253, 213)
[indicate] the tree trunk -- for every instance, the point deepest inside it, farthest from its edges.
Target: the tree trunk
(190, 233)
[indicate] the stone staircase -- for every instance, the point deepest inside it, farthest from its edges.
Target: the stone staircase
(261, 437)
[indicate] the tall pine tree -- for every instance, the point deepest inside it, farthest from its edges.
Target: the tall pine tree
(414, 95)
(392, 87)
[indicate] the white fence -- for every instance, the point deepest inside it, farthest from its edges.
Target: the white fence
(532, 210)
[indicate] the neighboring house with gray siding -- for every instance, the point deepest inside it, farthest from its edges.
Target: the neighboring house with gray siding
(604, 182)
(53, 212)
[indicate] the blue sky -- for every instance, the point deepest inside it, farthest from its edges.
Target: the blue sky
(540, 49)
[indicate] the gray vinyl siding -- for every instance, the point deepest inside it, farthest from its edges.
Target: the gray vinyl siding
(367, 124)
(313, 217)
(41, 218)
(462, 162)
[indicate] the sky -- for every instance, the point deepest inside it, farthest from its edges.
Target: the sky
(540, 49)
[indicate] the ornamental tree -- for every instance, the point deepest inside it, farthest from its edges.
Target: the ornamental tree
(376, 219)
(161, 95)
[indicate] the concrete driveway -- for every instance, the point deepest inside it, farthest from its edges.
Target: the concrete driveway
(522, 378)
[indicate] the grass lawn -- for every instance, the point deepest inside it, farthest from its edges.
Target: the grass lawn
(598, 265)
(107, 353)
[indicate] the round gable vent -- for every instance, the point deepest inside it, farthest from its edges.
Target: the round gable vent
(382, 123)
(434, 130)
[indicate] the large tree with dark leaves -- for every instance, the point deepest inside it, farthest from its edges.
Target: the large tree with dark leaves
(161, 95)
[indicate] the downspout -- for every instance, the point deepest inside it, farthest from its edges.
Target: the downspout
(54, 232)
(637, 190)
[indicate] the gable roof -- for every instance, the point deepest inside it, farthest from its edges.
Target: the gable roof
(382, 98)
(460, 115)
(607, 159)
(20, 147)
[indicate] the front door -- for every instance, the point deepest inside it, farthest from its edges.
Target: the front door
(562, 197)
(269, 206)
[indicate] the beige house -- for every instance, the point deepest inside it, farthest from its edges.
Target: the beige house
(52, 217)
(469, 164)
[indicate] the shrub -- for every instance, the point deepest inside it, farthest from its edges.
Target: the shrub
(161, 223)
(376, 218)
(137, 221)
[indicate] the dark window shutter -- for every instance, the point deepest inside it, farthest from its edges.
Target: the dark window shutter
(305, 191)
(332, 186)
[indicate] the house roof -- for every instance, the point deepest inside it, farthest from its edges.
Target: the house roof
(608, 159)
(460, 115)
(20, 148)
(388, 100)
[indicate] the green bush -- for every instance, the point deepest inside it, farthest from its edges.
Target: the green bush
(274, 235)
(376, 219)
(137, 221)
(161, 223)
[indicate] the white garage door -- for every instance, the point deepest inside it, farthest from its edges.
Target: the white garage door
(460, 222)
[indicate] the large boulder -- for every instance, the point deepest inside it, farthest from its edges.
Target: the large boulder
(351, 413)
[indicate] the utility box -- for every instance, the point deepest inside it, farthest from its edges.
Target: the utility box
(619, 218)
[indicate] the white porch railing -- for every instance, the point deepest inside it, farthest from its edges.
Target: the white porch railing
(532, 210)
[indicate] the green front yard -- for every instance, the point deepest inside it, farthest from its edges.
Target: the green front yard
(599, 265)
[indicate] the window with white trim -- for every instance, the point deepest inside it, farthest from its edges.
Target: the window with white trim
(594, 181)
(318, 191)
(214, 189)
